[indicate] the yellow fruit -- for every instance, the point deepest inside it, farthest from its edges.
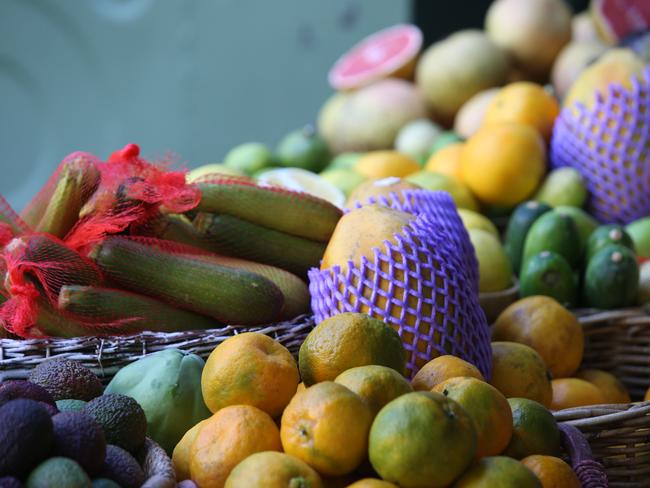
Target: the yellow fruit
(524, 103)
(376, 385)
(378, 187)
(272, 469)
(498, 471)
(442, 368)
(469, 118)
(552, 471)
(543, 324)
(608, 384)
(488, 409)
(227, 438)
(327, 427)
(504, 164)
(495, 270)
(519, 371)
(574, 392)
(446, 161)
(345, 341)
(250, 369)
(372, 483)
(181, 454)
(383, 164)
(475, 220)
(459, 192)
(422, 439)
(571, 61)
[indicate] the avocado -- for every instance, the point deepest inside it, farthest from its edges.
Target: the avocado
(548, 273)
(70, 405)
(122, 468)
(66, 379)
(26, 436)
(78, 436)
(122, 419)
(518, 226)
(612, 278)
(10, 482)
(58, 471)
(605, 235)
(13, 389)
(585, 223)
(104, 483)
(554, 232)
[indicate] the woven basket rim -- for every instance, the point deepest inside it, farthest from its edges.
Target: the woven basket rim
(600, 415)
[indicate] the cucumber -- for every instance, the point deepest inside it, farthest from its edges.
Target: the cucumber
(229, 295)
(236, 237)
(129, 311)
(548, 273)
(606, 235)
(518, 226)
(554, 232)
(612, 278)
(295, 213)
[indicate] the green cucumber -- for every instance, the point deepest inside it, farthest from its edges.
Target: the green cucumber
(518, 226)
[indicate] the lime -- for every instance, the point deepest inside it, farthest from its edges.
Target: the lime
(346, 160)
(305, 149)
(563, 186)
(444, 139)
(249, 157)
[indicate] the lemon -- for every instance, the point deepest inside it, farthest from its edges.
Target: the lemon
(475, 220)
(495, 270)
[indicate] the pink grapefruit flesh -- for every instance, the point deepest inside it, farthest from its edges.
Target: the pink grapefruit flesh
(618, 18)
(378, 56)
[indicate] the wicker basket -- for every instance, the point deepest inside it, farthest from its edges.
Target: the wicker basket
(106, 355)
(619, 436)
(157, 466)
(619, 342)
(579, 454)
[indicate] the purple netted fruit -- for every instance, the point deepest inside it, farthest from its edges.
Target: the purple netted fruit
(418, 285)
(610, 145)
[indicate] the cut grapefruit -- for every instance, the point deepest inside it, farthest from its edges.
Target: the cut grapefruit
(389, 52)
(615, 19)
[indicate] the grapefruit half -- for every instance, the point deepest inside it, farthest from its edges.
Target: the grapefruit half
(389, 52)
(614, 19)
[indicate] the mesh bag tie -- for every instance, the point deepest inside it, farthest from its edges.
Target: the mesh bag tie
(418, 286)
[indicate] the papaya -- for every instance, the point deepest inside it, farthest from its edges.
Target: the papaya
(167, 385)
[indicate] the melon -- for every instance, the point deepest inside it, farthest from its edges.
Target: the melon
(532, 32)
(389, 52)
(453, 70)
(571, 61)
(370, 118)
(470, 116)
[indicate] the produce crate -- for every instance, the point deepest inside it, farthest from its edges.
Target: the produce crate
(106, 355)
(619, 436)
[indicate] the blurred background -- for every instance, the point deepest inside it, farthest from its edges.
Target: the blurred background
(187, 77)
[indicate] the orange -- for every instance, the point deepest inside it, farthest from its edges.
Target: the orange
(327, 427)
(345, 341)
(227, 438)
(608, 384)
(372, 483)
(574, 392)
(376, 385)
(503, 164)
(271, 469)
(382, 164)
(543, 324)
(534, 430)
(442, 368)
(552, 471)
(488, 409)
(447, 161)
(646, 398)
(422, 439)
(498, 471)
(250, 369)
(519, 371)
(181, 454)
(524, 103)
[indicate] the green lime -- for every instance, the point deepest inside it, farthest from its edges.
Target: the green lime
(249, 157)
(305, 149)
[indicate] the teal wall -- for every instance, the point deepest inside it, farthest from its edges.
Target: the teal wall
(188, 77)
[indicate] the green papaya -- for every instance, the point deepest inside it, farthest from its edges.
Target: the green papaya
(167, 385)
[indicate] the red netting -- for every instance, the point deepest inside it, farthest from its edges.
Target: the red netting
(132, 191)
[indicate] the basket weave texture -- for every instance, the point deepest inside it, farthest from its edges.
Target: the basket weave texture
(417, 285)
(609, 144)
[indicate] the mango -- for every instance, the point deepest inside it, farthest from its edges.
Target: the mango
(167, 385)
